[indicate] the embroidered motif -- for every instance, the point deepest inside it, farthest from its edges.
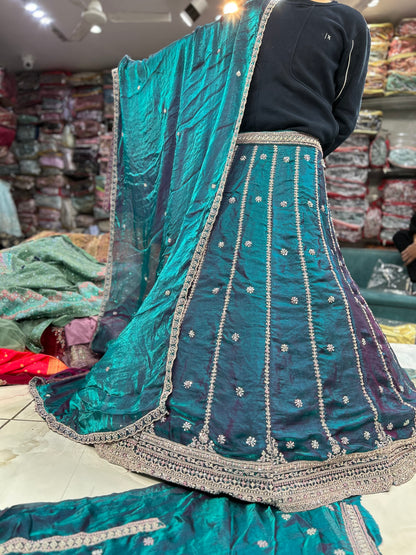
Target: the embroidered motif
(97, 552)
(307, 157)
(169, 240)
(284, 348)
(186, 426)
(331, 299)
(381, 388)
(238, 73)
(221, 244)
(187, 384)
(221, 439)
(330, 348)
(243, 158)
(284, 252)
(286, 159)
(286, 517)
(283, 204)
(232, 200)
(339, 552)
(263, 156)
(322, 208)
(239, 391)
(346, 399)
(167, 293)
(235, 337)
(294, 300)
(298, 403)
(363, 341)
(310, 204)
(390, 426)
(191, 334)
(406, 422)
(148, 541)
(367, 435)
(107, 370)
(251, 441)
(262, 544)
(290, 444)
(248, 244)
(401, 388)
(314, 444)
(163, 419)
(258, 199)
(203, 437)
(312, 252)
(213, 186)
(311, 531)
(345, 441)
(216, 290)
(250, 289)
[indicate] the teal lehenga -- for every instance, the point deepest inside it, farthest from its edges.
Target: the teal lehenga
(240, 357)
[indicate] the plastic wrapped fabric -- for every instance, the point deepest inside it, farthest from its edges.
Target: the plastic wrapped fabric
(53, 78)
(91, 114)
(349, 233)
(369, 121)
(358, 159)
(381, 31)
(390, 278)
(27, 150)
(27, 119)
(403, 157)
(29, 167)
(9, 222)
(48, 201)
(46, 137)
(7, 171)
(84, 220)
(9, 159)
(404, 64)
(399, 190)
(407, 27)
(379, 50)
(51, 92)
(402, 209)
(86, 128)
(402, 45)
(90, 102)
(378, 151)
(346, 189)
(85, 79)
(400, 83)
(372, 222)
(350, 174)
(376, 79)
(27, 206)
(7, 88)
(393, 221)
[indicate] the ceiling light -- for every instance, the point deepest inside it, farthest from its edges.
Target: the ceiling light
(192, 11)
(38, 14)
(373, 4)
(96, 29)
(230, 7)
(31, 7)
(46, 20)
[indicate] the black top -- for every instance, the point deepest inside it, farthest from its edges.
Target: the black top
(310, 72)
(412, 227)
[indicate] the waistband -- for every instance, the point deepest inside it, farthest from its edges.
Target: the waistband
(278, 137)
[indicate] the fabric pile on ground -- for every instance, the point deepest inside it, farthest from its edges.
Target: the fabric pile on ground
(381, 35)
(399, 203)
(347, 176)
(46, 285)
(402, 59)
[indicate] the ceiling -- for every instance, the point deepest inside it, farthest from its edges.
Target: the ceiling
(20, 34)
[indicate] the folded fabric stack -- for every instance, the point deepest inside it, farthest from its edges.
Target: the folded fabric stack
(381, 35)
(399, 203)
(108, 95)
(402, 59)
(347, 176)
(402, 150)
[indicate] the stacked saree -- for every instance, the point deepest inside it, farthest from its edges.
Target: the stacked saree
(240, 356)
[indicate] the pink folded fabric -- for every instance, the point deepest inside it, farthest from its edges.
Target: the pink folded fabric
(80, 331)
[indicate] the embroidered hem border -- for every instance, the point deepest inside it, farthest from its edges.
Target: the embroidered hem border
(295, 486)
(278, 137)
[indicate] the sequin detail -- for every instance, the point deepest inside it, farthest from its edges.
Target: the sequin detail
(239, 391)
(251, 441)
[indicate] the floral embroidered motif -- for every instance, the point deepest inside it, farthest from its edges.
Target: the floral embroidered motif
(258, 199)
(314, 444)
(250, 289)
(251, 441)
(290, 444)
(330, 348)
(263, 156)
(345, 399)
(221, 439)
(363, 341)
(401, 388)
(221, 244)
(381, 388)
(345, 441)
(239, 391)
(331, 299)
(235, 337)
(216, 290)
(242, 158)
(312, 252)
(367, 435)
(187, 384)
(262, 544)
(298, 403)
(389, 426)
(163, 419)
(169, 240)
(214, 186)
(339, 552)
(186, 426)
(148, 541)
(406, 423)
(232, 200)
(294, 300)
(310, 204)
(238, 73)
(283, 204)
(286, 517)
(203, 437)
(167, 293)
(248, 244)
(307, 157)
(191, 333)
(286, 159)
(311, 531)
(284, 348)
(107, 369)
(97, 552)
(284, 252)
(323, 208)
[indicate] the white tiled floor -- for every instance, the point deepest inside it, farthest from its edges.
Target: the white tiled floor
(39, 465)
